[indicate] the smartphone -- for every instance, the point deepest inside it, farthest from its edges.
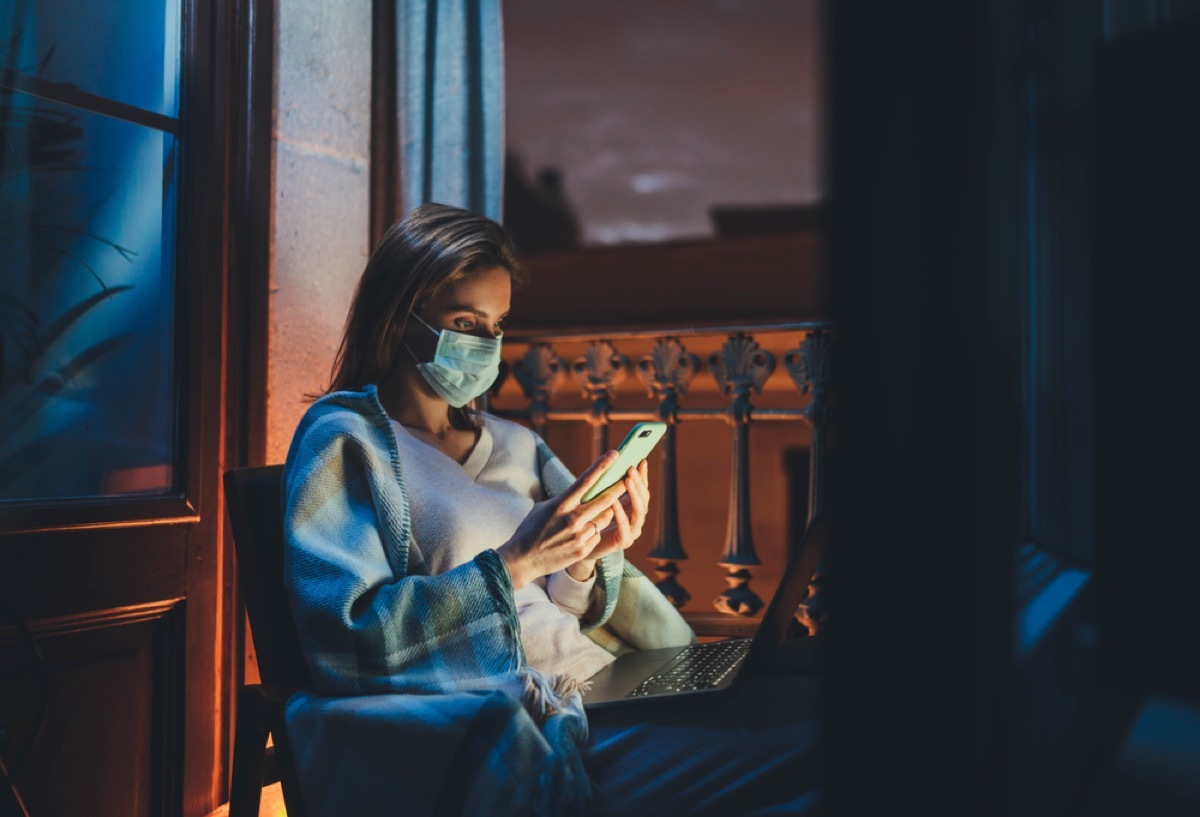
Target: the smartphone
(636, 446)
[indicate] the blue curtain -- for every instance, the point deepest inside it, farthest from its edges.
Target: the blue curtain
(451, 85)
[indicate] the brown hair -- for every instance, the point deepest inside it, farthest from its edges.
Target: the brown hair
(433, 246)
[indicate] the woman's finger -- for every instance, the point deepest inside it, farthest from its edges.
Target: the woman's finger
(624, 533)
(638, 492)
(644, 471)
(638, 501)
(593, 532)
(635, 483)
(636, 514)
(589, 478)
(604, 499)
(601, 519)
(586, 516)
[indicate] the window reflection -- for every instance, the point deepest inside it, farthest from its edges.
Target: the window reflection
(87, 236)
(122, 50)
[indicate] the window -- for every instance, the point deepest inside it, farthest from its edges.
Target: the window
(89, 113)
(664, 112)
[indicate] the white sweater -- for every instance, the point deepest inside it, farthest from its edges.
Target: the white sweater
(458, 511)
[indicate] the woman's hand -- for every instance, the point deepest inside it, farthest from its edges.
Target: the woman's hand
(560, 532)
(629, 515)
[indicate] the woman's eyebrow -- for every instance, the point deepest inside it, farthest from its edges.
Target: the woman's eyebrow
(471, 309)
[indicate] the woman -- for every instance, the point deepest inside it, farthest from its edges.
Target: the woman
(433, 549)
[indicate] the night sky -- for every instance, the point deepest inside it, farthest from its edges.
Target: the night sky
(656, 110)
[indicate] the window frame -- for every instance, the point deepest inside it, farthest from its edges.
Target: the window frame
(179, 504)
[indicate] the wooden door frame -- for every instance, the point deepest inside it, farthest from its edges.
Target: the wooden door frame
(246, 284)
(80, 570)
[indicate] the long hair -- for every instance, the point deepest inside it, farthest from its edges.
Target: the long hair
(433, 246)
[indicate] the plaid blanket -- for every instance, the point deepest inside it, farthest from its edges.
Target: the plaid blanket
(374, 623)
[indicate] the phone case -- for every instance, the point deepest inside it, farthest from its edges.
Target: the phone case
(636, 446)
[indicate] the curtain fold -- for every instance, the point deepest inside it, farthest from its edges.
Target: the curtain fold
(450, 83)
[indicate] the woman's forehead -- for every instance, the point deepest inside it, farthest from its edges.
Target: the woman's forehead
(486, 290)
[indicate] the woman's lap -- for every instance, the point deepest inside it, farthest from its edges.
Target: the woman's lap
(754, 753)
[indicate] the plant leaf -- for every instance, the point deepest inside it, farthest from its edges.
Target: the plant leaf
(55, 330)
(58, 380)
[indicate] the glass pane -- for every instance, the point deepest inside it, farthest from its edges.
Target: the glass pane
(87, 233)
(664, 121)
(126, 50)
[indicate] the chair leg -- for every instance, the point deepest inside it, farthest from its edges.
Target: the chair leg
(292, 798)
(249, 747)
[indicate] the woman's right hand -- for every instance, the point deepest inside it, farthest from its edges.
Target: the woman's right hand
(560, 531)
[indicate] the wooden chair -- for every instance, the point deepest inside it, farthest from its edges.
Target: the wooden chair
(256, 517)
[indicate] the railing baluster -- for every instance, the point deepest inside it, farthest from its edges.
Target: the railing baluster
(540, 372)
(666, 372)
(811, 369)
(598, 371)
(740, 367)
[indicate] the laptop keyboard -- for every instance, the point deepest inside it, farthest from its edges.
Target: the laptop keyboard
(700, 666)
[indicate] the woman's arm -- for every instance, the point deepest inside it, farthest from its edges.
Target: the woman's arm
(368, 617)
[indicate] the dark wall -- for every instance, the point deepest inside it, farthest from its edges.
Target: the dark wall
(927, 186)
(1147, 295)
(925, 473)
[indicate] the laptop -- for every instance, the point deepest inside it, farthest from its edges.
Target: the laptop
(713, 667)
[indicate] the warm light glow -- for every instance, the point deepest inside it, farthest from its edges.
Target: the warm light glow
(272, 802)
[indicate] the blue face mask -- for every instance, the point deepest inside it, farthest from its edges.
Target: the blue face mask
(463, 366)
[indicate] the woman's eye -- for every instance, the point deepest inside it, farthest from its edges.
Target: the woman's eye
(463, 323)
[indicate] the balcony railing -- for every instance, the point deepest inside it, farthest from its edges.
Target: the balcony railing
(729, 376)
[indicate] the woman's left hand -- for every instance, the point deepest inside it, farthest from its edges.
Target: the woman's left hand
(629, 516)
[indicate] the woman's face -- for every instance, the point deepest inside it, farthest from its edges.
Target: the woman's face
(476, 305)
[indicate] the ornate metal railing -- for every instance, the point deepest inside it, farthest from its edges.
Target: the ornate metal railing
(740, 367)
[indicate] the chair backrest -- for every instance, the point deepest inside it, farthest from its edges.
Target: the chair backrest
(255, 501)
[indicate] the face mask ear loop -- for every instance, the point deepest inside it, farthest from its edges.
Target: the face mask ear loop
(408, 348)
(427, 326)
(411, 353)
(403, 342)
